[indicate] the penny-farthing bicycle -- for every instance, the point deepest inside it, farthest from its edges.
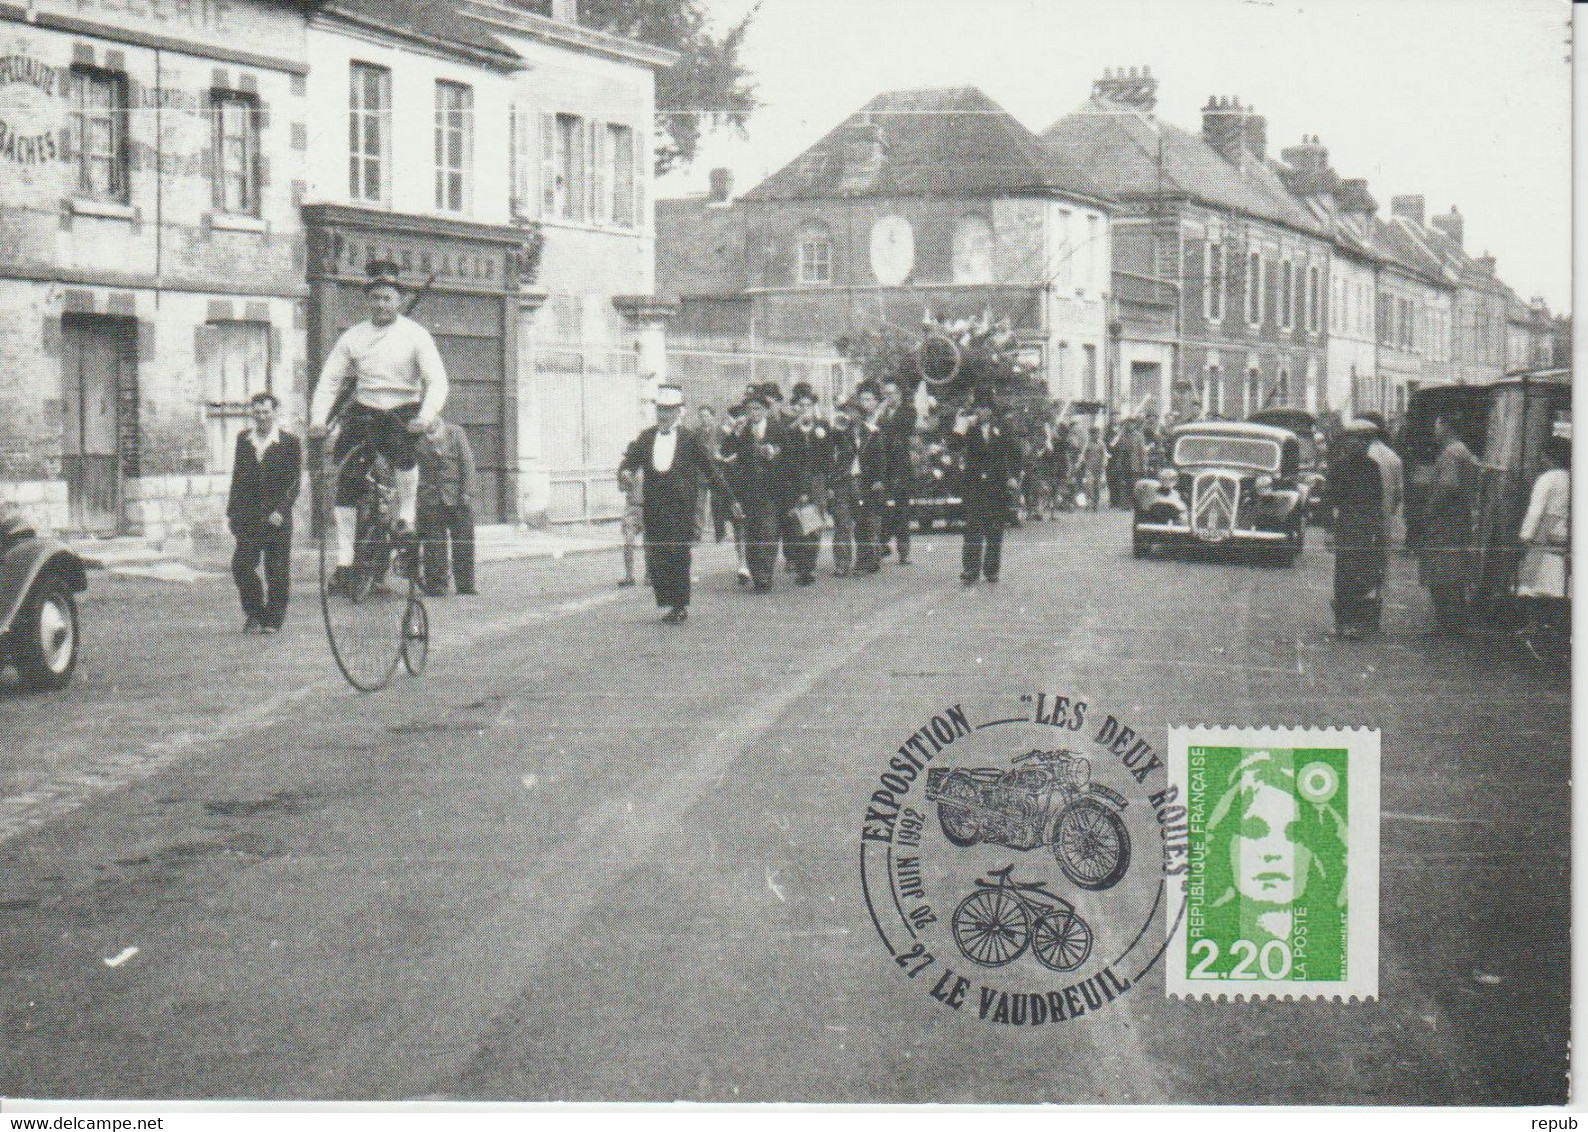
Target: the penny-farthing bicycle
(374, 618)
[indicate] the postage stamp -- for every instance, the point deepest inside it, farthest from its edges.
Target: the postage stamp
(1014, 855)
(1281, 889)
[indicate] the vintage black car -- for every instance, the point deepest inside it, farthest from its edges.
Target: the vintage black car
(1229, 485)
(38, 610)
(1312, 469)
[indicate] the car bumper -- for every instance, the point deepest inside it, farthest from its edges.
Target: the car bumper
(1181, 531)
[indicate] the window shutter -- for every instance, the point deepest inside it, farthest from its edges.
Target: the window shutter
(600, 199)
(548, 166)
(642, 174)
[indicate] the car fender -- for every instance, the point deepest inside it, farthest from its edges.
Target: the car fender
(23, 564)
(1144, 491)
(1283, 503)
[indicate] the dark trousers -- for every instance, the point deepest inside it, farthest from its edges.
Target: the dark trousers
(668, 565)
(271, 548)
(761, 543)
(896, 524)
(868, 534)
(843, 527)
(437, 524)
(801, 549)
(982, 554)
(1450, 607)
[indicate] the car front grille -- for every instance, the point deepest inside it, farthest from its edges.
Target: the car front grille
(1215, 500)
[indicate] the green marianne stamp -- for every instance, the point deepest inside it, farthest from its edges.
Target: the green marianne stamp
(1281, 884)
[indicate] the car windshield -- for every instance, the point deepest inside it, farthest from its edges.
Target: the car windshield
(1245, 451)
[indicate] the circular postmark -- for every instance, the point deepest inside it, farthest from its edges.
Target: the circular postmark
(1016, 862)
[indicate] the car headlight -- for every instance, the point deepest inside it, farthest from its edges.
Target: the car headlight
(1264, 482)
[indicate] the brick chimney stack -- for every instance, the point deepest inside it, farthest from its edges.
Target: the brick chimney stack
(1450, 224)
(565, 10)
(1352, 198)
(1310, 160)
(1487, 263)
(865, 149)
(1411, 207)
(1139, 91)
(721, 186)
(1234, 131)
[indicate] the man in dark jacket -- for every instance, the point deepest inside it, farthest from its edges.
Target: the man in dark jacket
(809, 457)
(762, 471)
(266, 471)
(1356, 493)
(898, 424)
(447, 485)
(990, 479)
(866, 457)
(674, 462)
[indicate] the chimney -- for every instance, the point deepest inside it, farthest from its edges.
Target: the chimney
(1310, 160)
(1352, 197)
(567, 11)
(865, 149)
(1127, 89)
(1486, 263)
(1256, 133)
(1233, 131)
(1450, 224)
(721, 186)
(1411, 207)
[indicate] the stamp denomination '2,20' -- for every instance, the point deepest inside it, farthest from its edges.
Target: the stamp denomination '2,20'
(1281, 894)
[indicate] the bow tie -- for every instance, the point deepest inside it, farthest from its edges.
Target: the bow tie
(665, 432)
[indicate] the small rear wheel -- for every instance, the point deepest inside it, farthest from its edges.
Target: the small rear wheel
(44, 636)
(416, 637)
(1061, 940)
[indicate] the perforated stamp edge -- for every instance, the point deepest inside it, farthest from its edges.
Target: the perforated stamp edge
(1362, 745)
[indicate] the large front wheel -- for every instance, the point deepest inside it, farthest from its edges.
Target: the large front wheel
(991, 927)
(1091, 844)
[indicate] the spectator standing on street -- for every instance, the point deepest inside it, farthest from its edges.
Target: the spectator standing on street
(448, 483)
(897, 417)
(1446, 528)
(713, 507)
(1356, 493)
(1391, 470)
(809, 457)
(266, 472)
(1544, 576)
(674, 462)
(841, 493)
(727, 462)
(990, 479)
(1094, 462)
(633, 485)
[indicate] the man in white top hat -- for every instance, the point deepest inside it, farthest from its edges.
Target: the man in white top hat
(399, 389)
(674, 461)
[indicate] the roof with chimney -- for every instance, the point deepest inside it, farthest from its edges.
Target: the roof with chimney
(428, 24)
(949, 142)
(1135, 155)
(699, 247)
(1403, 244)
(1469, 270)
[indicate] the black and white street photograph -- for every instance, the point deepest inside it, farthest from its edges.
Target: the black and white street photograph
(750, 552)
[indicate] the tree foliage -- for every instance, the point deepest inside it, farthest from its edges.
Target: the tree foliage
(707, 87)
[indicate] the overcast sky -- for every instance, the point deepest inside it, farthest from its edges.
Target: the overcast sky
(1464, 101)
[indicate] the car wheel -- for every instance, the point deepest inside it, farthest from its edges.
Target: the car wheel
(44, 636)
(1140, 547)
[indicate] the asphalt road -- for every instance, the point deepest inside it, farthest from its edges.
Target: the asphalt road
(589, 856)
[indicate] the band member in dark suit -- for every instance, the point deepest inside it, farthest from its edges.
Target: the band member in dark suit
(762, 468)
(867, 457)
(991, 477)
(809, 457)
(674, 462)
(898, 422)
(266, 471)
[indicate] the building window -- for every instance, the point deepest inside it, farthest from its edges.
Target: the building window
(1282, 390)
(620, 145)
(99, 123)
(973, 250)
(369, 133)
(1215, 292)
(815, 257)
(237, 365)
(1385, 320)
(235, 144)
(1091, 263)
(570, 167)
(1286, 311)
(1254, 288)
(454, 145)
(1089, 372)
(1314, 297)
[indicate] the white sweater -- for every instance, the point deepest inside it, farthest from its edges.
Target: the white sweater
(393, 365)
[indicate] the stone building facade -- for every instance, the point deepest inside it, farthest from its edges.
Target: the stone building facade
(922, 202)
(1205, 222)
(151, 253)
